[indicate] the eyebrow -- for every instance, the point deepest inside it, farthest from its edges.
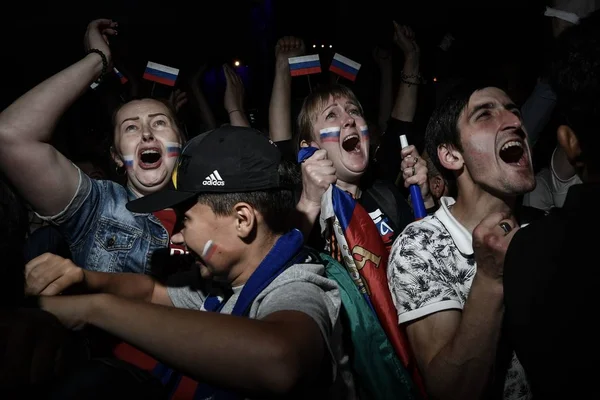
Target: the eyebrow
(490, 106)
(149, 116)
(348, 103)
(327, 108)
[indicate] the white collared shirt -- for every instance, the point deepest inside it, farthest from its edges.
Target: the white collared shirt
(431, 269)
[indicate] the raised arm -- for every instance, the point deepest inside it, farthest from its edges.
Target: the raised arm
(280, 106)
(234, 98)
(43, 176)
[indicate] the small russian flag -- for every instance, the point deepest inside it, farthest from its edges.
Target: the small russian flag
(330, 134)
(364, 130)
(122, 77)
(305, 65)
(344, 67)
(161, 73)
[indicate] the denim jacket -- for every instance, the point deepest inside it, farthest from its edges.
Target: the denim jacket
(103, 235)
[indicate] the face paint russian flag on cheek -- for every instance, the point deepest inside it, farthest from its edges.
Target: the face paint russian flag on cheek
(173, 149)
(330, 134)
(364, 131)
(128, 161)
(209, 251)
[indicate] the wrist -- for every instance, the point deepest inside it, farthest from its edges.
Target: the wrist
(308, 205)
(282, 66)
(411, 65)
(100, 62)
(493, 283)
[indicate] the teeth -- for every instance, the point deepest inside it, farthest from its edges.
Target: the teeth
(149, 152)
(512, 143)
(350, 137)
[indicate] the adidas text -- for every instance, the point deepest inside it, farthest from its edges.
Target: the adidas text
(213, 183)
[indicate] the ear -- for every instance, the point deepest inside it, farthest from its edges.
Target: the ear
(437, 186)
(116, 157)
(450, 158)
(304, 143)
(245, 219)
(569, 143)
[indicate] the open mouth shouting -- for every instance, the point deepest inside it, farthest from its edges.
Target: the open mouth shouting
(150, 157)
(514, 153)
(351, 143)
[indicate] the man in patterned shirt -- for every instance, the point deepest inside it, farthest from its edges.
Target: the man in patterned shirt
(445, 275)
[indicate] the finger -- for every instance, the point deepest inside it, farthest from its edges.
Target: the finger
(41, 259)
(102, 21)
(406, 173)
(41, 277)
(410, 150)
(320, 154)
(491, 221)
(323, 163)
(57, 286)
(228, 76)
(327, 171)
(109, 31)
(317, 172)
(414, 180)
(408, 163)
(182, 102)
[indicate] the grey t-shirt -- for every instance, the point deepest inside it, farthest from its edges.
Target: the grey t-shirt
(301, 287)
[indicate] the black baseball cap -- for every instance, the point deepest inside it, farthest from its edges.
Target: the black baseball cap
(229, 159)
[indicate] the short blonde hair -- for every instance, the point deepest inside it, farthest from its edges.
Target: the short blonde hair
(314, 103)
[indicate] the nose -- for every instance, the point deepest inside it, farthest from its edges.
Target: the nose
(147, 134)
(177, 238)
(348, 121)
(511, 120)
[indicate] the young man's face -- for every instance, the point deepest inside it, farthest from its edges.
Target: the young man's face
(210, 238)
(495, 149)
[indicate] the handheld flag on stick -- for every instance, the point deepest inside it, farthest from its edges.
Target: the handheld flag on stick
(122, 77)
(305, 65)
(161, 73)
(344, 67)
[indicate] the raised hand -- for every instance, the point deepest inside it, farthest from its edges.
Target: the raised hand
(404, 37)
(382, 57)
(196, 76)
(490, 242)
(234, 91)
(414, 170)
(318, 173)
(286, 47)
(178, 99)
(97, 34)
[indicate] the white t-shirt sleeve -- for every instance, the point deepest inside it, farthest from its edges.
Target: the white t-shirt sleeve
(560, 187)
(419, 284)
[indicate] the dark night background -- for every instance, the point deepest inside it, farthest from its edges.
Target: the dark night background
(41, 38)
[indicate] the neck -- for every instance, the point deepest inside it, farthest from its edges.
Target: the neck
(254, 254)
(473, 204)
(136, 192)
(351, 188)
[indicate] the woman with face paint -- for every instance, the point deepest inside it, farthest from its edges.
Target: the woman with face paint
(332, 122)
(91, 215)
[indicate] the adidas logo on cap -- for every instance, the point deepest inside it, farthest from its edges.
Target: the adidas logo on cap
(214, 179)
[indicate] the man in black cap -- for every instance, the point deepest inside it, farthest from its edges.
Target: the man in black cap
(233, 193)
